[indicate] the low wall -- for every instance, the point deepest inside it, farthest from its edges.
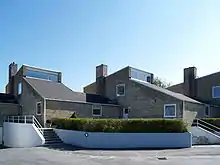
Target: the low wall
(201, 136)
(21, 135)
(125, 140)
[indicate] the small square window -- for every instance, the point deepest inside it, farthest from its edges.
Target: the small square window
(120, 90)
(96, 110)
(19, 88)
(170, 110)
(38, 108)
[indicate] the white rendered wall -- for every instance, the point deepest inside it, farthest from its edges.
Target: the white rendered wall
(21, 135)
(201, 136)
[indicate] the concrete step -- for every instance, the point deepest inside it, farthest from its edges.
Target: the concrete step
(51, 137)
(54, 142)
(48, 139)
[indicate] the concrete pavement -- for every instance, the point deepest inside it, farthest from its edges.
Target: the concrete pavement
(63, 155)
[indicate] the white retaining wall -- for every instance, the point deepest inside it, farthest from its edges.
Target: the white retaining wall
(125, 140)
(201, 136)
(21, 135)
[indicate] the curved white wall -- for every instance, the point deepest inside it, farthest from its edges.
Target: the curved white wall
(125, 140)
(21, 135)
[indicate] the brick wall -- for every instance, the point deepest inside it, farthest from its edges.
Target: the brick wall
(83, 110)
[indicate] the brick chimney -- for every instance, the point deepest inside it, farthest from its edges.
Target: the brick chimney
(101, 73)
(190, 86)
(12, 70)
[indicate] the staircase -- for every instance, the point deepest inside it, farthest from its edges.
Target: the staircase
(51, 136)
(204, 133)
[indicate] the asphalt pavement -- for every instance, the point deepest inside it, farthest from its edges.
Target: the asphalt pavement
(63, 155)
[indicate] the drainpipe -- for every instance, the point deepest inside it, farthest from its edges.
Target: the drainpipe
(45, 113)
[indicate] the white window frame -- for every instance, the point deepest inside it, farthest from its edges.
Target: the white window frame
(213, 88)
(95, 107)
(208, 111)
(20, 85)
(165, 105)
(118, 95)
(37, 108)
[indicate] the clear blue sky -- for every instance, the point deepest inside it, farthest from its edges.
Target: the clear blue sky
(73, 36)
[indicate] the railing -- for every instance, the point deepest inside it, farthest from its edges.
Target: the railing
(38, 125)
(207, 126)
(25, 120)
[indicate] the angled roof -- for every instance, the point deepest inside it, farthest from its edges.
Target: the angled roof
(94, 98)
(55, 91)
(165, 91)
(58, 91)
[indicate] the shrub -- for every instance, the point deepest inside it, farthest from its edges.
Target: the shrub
(120, 125)
(213, 121)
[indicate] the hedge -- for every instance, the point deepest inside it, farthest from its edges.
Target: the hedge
(213, 121)
(120, 125)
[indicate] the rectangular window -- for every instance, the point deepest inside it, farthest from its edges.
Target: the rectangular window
(19, 88)
(148, 79)
(120, 90)
(140, 75)
(207, 111)
(96, 110)
(42, 75)
(38, 108)
(216, 92)
(170, 110)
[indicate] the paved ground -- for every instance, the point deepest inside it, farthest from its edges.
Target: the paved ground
(69, 155)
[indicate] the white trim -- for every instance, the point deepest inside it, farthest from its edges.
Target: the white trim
(99, 107)
(213, 88)
(45, 113)
(39, 78)
(164, 114)
(37, 107)
(117, 89)
(34, 68)
(208, 111)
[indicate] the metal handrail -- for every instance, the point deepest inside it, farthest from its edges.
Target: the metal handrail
(35, 120)
(206, 125)
(208, 128)
(25, 119)
(38, 125)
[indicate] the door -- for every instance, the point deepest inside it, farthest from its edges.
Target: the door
(125, 113)
(39, 112)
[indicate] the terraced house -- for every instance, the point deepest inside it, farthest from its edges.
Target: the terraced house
(127, 93)
(205, 89)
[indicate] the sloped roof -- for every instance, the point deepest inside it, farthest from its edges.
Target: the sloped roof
(58, 91)
(165, 91)
(55, 91)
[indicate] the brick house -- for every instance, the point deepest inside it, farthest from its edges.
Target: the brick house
(127, 93)
(41, 93)
(133, 90)
(205, 89)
